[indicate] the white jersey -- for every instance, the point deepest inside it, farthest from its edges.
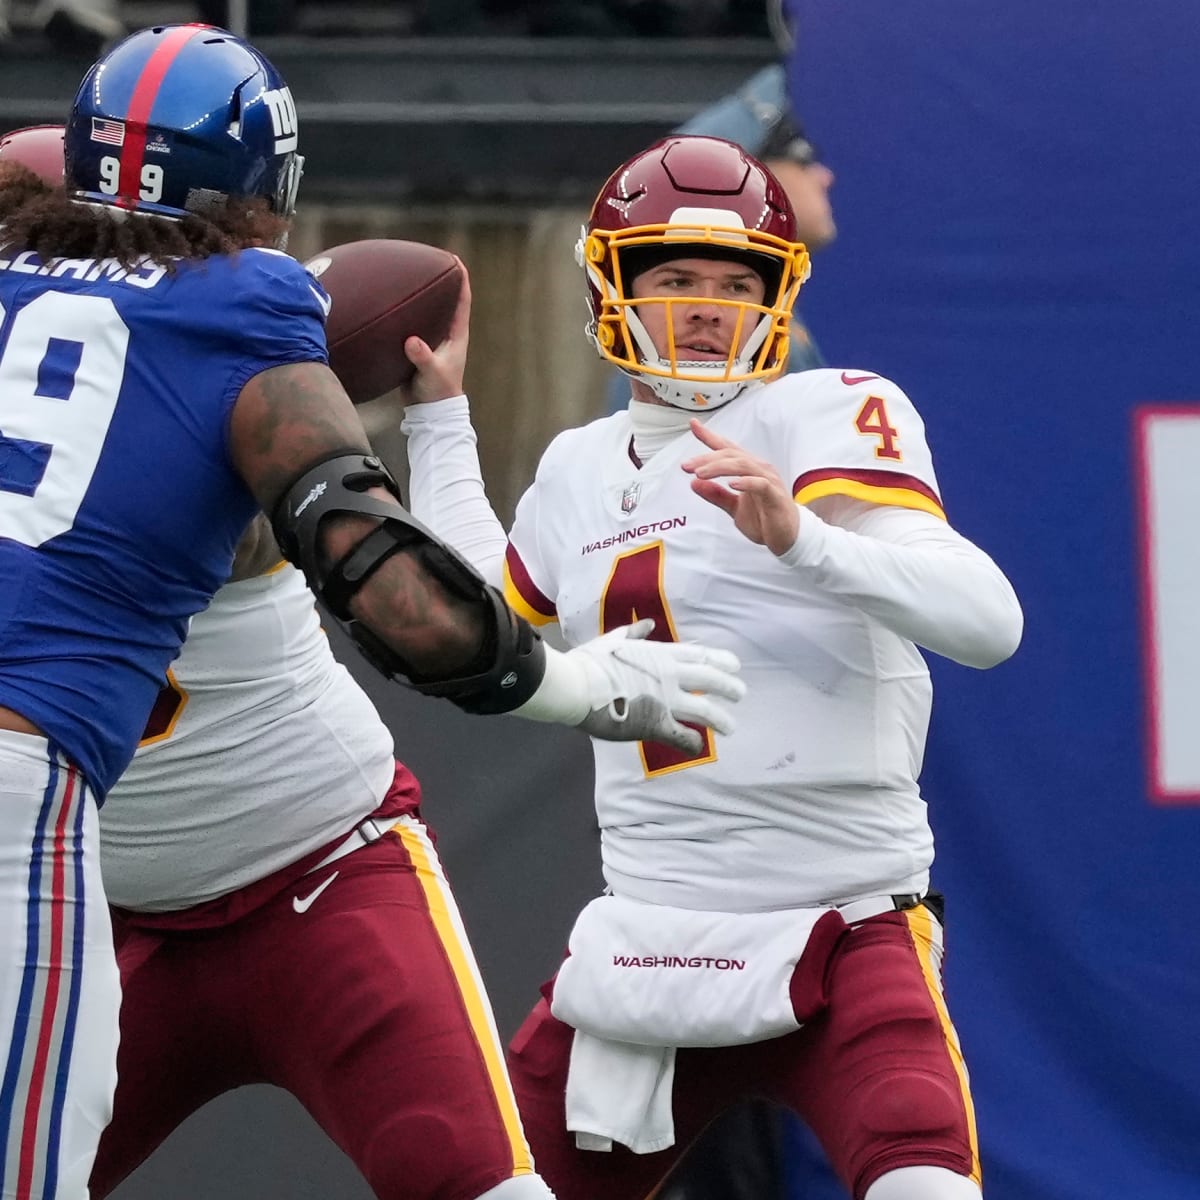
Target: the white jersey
(262, 749)
(815, 797)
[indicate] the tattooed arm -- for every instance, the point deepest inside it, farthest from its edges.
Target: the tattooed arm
(473, 649)
(285, 420)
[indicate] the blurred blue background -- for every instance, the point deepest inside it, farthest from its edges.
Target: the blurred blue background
(1017, 199)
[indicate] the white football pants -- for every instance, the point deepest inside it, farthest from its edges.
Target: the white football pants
(59, 987)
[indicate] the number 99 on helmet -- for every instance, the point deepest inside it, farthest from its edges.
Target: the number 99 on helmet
(178, 118)
(691, 197)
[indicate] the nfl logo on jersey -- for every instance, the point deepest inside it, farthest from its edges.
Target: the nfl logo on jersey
(630, 497)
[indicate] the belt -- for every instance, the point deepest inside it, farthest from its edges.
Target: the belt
(363, 834)
(872, 906)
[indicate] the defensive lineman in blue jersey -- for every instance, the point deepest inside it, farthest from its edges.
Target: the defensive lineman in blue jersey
(129, 361)
(162, 376)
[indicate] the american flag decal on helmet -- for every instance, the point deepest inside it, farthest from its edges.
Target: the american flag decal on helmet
(110, 132)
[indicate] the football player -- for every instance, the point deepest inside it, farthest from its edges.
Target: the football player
(768, 928)
(163, 367)
(759, 118)
(264, 819)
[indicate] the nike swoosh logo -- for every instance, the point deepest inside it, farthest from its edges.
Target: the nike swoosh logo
(303, 904)
(850, 380)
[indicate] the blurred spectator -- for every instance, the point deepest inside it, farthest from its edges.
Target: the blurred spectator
(759, 118)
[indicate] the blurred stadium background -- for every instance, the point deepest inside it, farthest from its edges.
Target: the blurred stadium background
(1017, 197)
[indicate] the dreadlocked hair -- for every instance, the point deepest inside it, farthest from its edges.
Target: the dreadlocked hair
(47, 221)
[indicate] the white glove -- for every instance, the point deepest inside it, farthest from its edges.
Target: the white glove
(622, 688)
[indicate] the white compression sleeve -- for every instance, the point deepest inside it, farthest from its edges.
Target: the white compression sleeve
(912, 573)
(446, 484)
(563, 695)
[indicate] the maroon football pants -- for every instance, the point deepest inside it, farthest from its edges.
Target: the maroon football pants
(363, 1002)
(877, 1075)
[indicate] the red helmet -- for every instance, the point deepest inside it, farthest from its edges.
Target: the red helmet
(38, 147)
(691, 197)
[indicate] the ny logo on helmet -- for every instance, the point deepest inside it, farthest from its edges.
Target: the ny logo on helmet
(283, 118)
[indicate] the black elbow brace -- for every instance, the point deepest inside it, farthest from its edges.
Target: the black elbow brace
(512, 661)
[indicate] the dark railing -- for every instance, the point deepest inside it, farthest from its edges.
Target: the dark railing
(537, 120)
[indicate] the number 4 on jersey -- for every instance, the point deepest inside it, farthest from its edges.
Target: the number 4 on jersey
(635, 590)
(872, 420)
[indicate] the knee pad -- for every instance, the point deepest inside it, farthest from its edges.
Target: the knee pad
(911, 1102)
(520, 1187)
(923, 1183)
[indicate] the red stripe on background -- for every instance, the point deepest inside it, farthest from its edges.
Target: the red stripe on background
(530, 592)
(54, 974)
(145, 92)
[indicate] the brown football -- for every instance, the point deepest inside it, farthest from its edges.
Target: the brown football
(384, 290)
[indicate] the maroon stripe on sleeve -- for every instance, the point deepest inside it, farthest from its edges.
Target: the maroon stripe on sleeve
(878, 479)
(528, 590)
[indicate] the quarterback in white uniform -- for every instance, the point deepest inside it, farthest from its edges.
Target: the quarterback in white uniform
(768, 927)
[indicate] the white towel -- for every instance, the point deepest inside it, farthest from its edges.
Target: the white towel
(661, 976)
(618, 1092)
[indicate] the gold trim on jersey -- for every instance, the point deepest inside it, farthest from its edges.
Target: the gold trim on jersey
(920, 925)
(520, 605)
(444, 913)
(898, 496)
(654, 604)
(173, 687)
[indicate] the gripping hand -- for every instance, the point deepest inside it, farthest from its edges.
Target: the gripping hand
(639, 690)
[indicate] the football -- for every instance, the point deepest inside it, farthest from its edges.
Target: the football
(384, 290)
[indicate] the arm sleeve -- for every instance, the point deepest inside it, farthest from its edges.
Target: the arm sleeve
(446, 484)
(914, 574)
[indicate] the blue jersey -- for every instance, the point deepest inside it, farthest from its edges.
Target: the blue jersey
(119, 505)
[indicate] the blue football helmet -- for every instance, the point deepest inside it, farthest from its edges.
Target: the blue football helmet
(176, 119)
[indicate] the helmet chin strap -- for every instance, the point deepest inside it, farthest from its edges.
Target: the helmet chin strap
(691, 394)
(695, 395)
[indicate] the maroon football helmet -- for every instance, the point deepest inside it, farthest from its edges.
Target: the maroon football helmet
(691, 197)
(38, 147)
